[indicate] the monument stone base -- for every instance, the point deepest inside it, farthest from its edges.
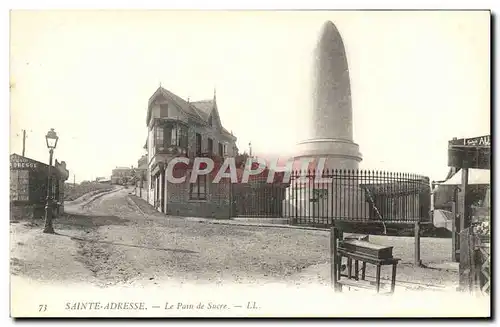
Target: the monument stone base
(324, 203)
(340, 154)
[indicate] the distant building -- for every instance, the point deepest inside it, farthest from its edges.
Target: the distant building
(28, 186)
(141, 177)
(177, 127)
(120, 175)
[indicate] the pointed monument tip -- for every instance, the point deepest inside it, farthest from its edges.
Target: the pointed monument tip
(329, 27)
(329, 39)
(328, 23)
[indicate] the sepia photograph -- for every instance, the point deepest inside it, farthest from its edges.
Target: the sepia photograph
(205, 163)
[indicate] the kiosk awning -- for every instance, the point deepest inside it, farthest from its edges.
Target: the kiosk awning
(476, 176)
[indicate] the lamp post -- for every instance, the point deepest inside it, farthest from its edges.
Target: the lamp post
(51, 139)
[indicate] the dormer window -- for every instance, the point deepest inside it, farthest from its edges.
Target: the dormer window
(164, 110)
(210, 120)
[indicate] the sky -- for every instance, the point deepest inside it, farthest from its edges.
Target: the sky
(418, 79)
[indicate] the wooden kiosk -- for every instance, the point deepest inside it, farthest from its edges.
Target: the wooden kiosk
(470, 249)
(28, 186)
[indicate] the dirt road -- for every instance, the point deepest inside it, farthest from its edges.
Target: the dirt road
(117, 239)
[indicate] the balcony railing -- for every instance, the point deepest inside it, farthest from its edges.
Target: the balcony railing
(215, 156)
(170, 149)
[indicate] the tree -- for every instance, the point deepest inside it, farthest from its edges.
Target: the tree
(241, 159)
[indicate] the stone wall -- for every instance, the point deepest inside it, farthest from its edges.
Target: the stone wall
(26, 211)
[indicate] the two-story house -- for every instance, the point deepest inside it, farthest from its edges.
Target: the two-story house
(177, 127)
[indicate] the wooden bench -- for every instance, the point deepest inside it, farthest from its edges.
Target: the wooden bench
(353, 280)
(355, 247)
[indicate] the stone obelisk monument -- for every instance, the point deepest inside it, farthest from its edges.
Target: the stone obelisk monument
(329, 123)
(329, 135)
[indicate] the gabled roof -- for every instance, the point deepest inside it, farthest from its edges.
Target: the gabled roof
(60, 167)
(178, 101)
(199, 110)
(204, 108)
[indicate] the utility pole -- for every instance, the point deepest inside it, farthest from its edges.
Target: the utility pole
(24, 141)
(74, 180)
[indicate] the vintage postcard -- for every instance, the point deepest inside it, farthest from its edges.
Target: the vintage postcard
(250, 163)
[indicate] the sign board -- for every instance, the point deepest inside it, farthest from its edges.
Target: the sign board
(22, 163)
(472, 152)
(483, 141)
(480, 141)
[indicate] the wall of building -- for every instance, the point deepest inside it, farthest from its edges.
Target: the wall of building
(217, 205)
(141, 193)
(26, 211)
(151, 195)
(142, 163)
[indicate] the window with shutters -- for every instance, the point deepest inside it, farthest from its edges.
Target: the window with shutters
(163, 110)
(173, 137)
(198, 144)
(159, 136)
(210, 146)
(198, 190)
(183, 137)
(176, 135)
(221, 150)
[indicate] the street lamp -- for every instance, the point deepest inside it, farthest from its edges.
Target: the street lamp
(51, 139)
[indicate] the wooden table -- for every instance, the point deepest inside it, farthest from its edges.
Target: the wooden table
(353, 280)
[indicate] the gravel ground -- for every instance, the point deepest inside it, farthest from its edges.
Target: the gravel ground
(120, 240)
(45, 257)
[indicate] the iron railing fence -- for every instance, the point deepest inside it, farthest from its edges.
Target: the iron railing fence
(336, 195)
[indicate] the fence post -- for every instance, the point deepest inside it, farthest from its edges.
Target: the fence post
(454, 233)
(466, 266)
(418, 262)
(333, 257)
(456, 226)
(464, 208)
